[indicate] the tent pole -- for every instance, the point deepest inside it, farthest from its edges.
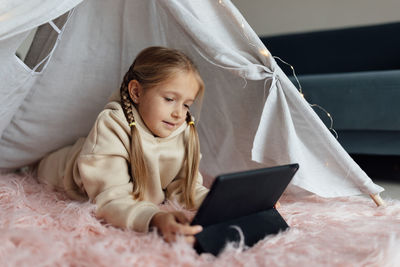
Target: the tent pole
(377, 199)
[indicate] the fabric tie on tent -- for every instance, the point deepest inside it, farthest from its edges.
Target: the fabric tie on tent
(289, 118)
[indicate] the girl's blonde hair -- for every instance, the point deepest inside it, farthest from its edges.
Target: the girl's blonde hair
(153, 66)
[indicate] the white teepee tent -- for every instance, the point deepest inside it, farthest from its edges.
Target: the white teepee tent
(251, 110)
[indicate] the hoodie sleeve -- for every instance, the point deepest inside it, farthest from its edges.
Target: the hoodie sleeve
(104, 169)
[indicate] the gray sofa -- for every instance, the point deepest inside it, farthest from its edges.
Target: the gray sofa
(354, 73)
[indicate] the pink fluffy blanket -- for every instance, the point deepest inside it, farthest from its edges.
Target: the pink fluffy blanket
(40, 227)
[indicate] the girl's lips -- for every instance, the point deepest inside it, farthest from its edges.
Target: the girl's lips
(169, 125)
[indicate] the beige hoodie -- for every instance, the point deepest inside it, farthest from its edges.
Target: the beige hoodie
(98, 167)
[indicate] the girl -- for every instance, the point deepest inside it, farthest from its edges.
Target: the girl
(142, 149)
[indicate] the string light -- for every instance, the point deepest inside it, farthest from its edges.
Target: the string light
(241, 23)
(266, 53)
(300, 89)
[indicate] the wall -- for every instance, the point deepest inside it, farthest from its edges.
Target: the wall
(271, 17)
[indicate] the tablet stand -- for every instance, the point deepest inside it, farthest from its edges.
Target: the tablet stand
(254, 227)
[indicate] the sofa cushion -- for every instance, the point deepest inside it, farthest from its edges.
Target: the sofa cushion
(370, 142)
(341, 50)
(357, 101)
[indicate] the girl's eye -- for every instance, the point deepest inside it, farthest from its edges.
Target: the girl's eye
(187, 106)
(168, 99)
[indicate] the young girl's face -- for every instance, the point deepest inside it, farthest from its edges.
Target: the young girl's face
(163, 108)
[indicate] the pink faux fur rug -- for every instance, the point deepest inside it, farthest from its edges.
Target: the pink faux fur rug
(39, 227)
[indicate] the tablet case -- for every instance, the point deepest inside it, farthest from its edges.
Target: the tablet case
(255, 224)
(253, 228)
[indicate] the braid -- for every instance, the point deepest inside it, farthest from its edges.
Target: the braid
(126, 104)
(138, 166)
(192, 163)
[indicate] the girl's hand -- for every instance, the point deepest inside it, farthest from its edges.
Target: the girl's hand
(172, 223)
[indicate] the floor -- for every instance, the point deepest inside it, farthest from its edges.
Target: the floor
(392, 189)
(384, 171)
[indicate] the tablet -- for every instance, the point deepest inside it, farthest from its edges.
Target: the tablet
(244, 193)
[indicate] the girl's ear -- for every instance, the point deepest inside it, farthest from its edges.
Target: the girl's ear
(135, 90)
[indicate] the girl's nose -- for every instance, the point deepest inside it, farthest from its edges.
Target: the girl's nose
(177, 112)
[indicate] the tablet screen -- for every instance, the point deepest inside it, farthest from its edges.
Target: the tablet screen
(243, 193)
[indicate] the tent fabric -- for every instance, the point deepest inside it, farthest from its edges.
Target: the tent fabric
(251, 109)
(18, 16)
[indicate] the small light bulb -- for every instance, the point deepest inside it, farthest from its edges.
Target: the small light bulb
(264, 52)
(5, 16)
